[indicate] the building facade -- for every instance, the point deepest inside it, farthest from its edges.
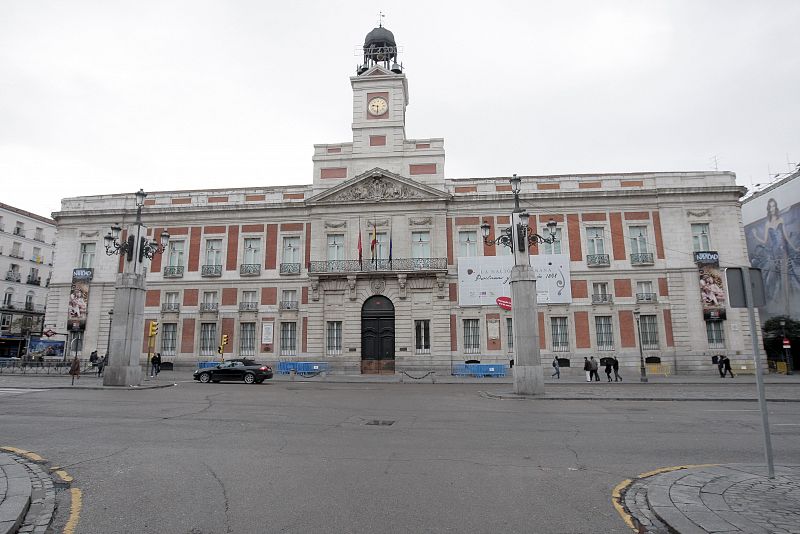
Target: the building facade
(27, 243)
(380, 265)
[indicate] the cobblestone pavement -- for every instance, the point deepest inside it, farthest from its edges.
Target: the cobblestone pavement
(721, 499)
(27, 495)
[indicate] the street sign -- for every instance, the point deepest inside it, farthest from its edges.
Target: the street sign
(504, 302)
(736, 289)
(786, 343)
(49, 333)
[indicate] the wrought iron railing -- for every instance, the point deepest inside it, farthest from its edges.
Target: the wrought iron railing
(250, 269)
(597, 260)
(645, 297)
(16, 254)
(211, 271)
(170, 306)
(290, 268)
(288, 305)
(602, 298)
(173, 271)
(399, 264)
(12, 276)
(248, 306)
(209, 307)
(642, 258)
(34, 281)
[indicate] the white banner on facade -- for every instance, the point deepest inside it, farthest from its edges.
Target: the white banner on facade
(266, 333)
(482, 279)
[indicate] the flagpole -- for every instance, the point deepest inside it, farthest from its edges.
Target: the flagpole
(360, 255)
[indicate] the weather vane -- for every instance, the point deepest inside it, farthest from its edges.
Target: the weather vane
(380, 19)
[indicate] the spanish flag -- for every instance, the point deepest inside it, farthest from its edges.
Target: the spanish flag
(374, 244)
(360, 250)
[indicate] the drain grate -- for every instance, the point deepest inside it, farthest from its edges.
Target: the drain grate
(379, 422)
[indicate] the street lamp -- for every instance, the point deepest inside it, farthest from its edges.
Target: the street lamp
(110, 321)
(146, 249)
(787, 356)
(642, 370)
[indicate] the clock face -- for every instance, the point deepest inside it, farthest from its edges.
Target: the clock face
(377, 106)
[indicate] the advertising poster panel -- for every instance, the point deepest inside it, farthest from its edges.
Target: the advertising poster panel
(712, 290)
(79, 299)
(772, 230)
(46, 348)
(482, 279)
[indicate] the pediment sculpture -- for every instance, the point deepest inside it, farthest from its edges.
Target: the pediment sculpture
(378, 188)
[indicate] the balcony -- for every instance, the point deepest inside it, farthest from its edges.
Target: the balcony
(39, 237)
(288, 305)
(645, 297)
(12, 276)
(397, 265)
(15, 253)
(248, 306)
(173, 271)
(19, 231)
(602, 298)
(34, 281)
(22, 305)
(170, 307)
(209, 307)
(642, 258)
(250, 269)
(211, 271)
(597, 260)
(290, 268)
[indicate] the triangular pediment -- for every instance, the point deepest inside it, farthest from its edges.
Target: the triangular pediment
(378, 185)
(377, 70)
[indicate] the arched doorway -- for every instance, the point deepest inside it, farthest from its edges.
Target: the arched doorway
(377, 336)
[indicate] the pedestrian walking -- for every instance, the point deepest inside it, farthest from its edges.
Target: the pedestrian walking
(101, 364)
(615, 367)
(727, 367)
(721, 365)
(75, 369)
(556, 369)
(609, 366)
(93, 358)
(155, 364)
(593, 367)
(587, 367)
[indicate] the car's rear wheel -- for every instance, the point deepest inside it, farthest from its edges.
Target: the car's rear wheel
(249, 378)
(205, 377)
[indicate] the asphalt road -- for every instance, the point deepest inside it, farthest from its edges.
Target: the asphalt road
(299, 457)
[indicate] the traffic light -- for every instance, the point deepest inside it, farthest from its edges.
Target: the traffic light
(224, 339)
(222, 344)
(153, 328)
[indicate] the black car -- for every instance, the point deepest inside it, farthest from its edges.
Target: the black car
(237, 369)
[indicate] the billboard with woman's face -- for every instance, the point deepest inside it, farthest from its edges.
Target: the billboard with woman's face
(78, 299)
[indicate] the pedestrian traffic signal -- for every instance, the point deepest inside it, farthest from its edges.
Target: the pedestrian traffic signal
(153, 328)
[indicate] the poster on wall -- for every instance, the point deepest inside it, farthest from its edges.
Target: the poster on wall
(482, 279)
(772, 230)
(46, 348)
(267, 333)
(79, 299)
(712, 291)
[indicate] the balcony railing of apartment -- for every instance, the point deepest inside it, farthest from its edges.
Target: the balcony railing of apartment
(209, 307)
(12, 276)
(602, 298)
(248, 306)
(173, 271)
(211, 271)
(16, 254)
(288, 305)
(39, 237)
(290, 268)
(642, 258)
(250, 269)
(34, 281)
(173, 307)
(22, 305)
(399, 264)
(645, 297)
(18, 231)
(597, 260)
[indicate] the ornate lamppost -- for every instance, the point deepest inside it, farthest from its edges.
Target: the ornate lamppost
(528, 374)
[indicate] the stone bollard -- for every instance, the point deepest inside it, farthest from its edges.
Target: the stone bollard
(292, 373)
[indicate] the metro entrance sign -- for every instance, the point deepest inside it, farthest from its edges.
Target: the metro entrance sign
(504, 302)
(786, 343)
(49, 333)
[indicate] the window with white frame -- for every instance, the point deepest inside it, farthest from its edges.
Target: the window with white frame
(551, 248)
(422, 336)
(604, 332)
(595, 240)
(421, 244)
(291, 249)
(700, 237)
(169, 339)
(208, 339)
(638, 239)
(175, 253)
(249, 296)
(559, 334)
(8, 297)
(715, 334)
(252, 251)
(335, 247)
(644, 287)
(334, 338)
(382, 246)
(467, 243)
(37, 255)
(171, 297)
(649, 332)
(510, 333)
(29, 300)
(247, 339)
(472, 336)
(209, 297)
(16, 249)
(289, 296)
(289, 339)
(213, 252)
(5, 321)
(86, 260)
(600, 289)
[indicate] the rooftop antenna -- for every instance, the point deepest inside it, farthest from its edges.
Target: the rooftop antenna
(380, 19)
(716, 162)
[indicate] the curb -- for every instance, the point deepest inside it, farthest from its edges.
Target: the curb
(110, 388)
(511, 396)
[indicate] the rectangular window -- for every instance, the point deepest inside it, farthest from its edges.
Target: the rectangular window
(252, 251)
(208, 339)
(644, 287)
(700, 237)
(420, 244)
(289, 295)
(334, 338)
(169, 338)
(291, 250)
(467, 244)
(172, 297)
(213, 252)
(209, 297)
(175, 253)
(548, 248)
(594, 236)
(559, 334)
(5, 321)
(37, 255)
(382, 246)
(8, 298)
(649, 332)
(716, 335)
(472, 336)
(39, 234)
(16, 249)
(600, 288)
(288, 339)
(510, 333)
(422, 336)
(87, 255)
(249, 296)
(19, 229)
(247, 339)
(335, 247)
(603, 332)
(638, 239)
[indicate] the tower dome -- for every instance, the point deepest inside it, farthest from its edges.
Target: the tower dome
(380, 48)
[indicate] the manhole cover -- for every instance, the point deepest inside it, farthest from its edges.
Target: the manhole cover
(379, 422)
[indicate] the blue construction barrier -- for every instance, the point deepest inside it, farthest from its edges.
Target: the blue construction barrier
(480, 370)
(303, 368)
(206, 365)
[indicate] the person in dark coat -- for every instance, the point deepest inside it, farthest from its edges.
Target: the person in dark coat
(721, 366)
(727, 367)
(155, 362)
(556, 369)
(100, 364)
(609, 366)
(615, 366)
(75, 369)
(588, 368)
(594, 366)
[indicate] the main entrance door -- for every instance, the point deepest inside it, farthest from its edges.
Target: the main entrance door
(377, 336)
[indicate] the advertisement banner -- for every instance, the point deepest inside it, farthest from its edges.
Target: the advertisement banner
(712, 292)
(482, 279)
(46, 348)
(79, 299)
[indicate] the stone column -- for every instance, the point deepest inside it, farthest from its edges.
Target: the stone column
(127, 332)
(528, 373)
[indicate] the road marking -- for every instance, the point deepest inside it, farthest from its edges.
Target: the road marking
(18, 391)
(731, 410)
(74, 511)
(786, 424)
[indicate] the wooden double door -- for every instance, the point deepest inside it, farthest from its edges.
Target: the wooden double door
(377, 336)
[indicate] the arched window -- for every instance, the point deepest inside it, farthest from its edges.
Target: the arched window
(7, 297)
(29, 300)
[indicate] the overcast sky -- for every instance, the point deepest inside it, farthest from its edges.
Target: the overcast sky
(110, 96)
